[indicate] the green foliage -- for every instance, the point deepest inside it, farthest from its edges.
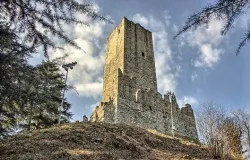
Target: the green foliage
(30, 95)
(13, 69)
(44, 97)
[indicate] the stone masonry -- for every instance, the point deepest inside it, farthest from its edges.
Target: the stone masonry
(130, 88)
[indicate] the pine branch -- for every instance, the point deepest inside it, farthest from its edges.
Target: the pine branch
(228, 10)
(26, 16)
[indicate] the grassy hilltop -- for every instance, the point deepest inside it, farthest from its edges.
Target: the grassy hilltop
(98, 141)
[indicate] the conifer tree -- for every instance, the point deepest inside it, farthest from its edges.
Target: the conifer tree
(26, 26)
(45, 99)
(13, 70)
(39, 20)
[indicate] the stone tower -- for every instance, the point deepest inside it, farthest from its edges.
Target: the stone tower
(129, 48)
(130, 88)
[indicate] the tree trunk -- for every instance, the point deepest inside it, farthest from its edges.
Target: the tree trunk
(30, 116)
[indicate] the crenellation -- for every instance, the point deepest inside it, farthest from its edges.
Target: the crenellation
(187, 110)
(130, 87)
(166, 98)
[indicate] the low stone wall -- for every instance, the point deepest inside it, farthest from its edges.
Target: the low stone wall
(105, 112)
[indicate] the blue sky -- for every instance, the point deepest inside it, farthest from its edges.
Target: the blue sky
(199, 66)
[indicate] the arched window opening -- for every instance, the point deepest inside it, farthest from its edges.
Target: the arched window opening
(142, 53)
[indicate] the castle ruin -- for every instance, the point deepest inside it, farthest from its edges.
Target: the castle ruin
(130, 93)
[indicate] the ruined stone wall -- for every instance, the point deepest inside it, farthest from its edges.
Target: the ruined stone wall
(140, 107)
(147, 109)
(185, 124)
(104, 112)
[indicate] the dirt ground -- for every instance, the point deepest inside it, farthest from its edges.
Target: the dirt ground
(98, 141)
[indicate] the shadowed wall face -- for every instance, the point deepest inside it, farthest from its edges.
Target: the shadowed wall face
(139, 56)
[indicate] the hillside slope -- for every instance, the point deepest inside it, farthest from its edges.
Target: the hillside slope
(98, 141)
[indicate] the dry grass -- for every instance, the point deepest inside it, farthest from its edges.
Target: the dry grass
(98, 141)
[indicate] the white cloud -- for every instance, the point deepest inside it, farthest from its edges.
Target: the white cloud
(87, 74)
(194, 76)
(207, 40)
(141, 20)
(166, 70)
(90, 89)
(209, 56)
(93, 106)
(187, 99)
(244, 20)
